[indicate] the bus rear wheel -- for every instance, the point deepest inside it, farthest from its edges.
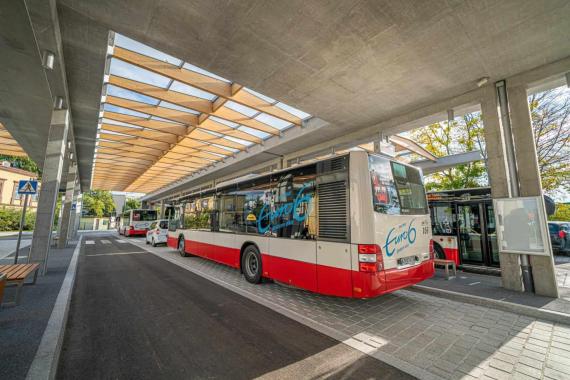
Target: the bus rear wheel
(181, 250)
(251, 264)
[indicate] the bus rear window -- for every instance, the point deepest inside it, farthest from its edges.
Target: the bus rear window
(410, 189)
(384, 194)
(396, 188)
(144, 215)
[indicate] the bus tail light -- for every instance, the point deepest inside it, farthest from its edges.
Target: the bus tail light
(431, 250)
(369, 258)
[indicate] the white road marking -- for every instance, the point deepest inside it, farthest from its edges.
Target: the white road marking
(89, 242)
(105, 242)
(121, 241)
(474, 283)
(116, 253)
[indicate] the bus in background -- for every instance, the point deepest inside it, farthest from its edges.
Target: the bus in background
(136, 222)
(355, 225)
(463, 227)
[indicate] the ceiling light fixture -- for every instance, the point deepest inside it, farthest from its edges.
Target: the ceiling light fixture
(482, 81)
(48, 59)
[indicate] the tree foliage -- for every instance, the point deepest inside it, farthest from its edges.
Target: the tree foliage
(98, 203)
(550, 113)
(458, 136)
(562, 212)
(24, 163)
(132, 204)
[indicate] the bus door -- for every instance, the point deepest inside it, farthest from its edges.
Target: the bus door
(477, 235)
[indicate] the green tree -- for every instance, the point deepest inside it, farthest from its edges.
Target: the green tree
(24, 163)
(458, 136)
(132, 204)
(98, 203)
(550, 113)
(562, 212)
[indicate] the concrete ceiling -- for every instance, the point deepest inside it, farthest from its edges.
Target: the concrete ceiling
(352, 63)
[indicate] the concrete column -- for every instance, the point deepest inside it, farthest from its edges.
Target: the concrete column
(66, 206)
(511, 274)
(73, 214)
(77, 218)
(162, 211)
(51, 176)
(543, 269)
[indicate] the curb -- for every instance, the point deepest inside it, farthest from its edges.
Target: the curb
(44, 365)
(549, 315)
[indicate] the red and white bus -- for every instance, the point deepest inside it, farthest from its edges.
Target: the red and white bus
(136, 222)
(355, 225)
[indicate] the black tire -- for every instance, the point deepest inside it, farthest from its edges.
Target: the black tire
(251, 264)
(181, 247)
(439, 254)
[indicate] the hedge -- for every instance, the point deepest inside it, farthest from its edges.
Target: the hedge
(10, 219)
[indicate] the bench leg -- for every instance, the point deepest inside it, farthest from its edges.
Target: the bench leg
(16, 300)
(35, 276)
(446, 272)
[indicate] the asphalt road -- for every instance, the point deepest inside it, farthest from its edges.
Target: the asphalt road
(134, 315)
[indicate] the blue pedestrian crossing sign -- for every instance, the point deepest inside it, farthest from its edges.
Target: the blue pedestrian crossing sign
(27, 186)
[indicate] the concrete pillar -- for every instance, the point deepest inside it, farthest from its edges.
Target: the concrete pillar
(543, 269)
(74, 207)
(66, 206)
(511, 274)
(162, 210)
(77, 218)
(51, 176)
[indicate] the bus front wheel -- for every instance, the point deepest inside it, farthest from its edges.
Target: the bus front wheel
(181, 250)
(251, 264)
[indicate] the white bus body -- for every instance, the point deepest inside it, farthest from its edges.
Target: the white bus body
(355, 225)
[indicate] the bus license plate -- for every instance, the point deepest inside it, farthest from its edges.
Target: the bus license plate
(410, 260)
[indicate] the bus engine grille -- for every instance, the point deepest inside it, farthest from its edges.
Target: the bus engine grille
(333, 210)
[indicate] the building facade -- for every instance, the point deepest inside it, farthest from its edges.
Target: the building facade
(9, 179)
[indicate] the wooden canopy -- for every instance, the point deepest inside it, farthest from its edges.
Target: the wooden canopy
(8, 145)
(151, 136)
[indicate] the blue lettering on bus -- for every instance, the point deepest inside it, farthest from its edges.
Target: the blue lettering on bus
(395, 241)
(268, 218)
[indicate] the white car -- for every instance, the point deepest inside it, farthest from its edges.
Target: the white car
(157, 233)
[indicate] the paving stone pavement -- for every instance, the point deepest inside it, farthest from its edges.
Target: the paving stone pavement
(448, 339)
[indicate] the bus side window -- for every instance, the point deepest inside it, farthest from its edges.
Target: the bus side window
(294, 204)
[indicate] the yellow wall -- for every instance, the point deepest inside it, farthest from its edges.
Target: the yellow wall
(9, 179)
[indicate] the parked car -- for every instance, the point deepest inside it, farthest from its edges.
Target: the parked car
(560, 236)
(157, 233)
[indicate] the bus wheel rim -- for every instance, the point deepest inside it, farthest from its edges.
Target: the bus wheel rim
(251, 264)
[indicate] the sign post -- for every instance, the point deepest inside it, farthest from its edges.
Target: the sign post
(25, 187)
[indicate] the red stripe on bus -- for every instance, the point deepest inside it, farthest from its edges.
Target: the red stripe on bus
(316, 278)
(452, 254)
(135, 232)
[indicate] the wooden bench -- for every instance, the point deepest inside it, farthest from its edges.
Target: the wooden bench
(446, 264)
(16, 274)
